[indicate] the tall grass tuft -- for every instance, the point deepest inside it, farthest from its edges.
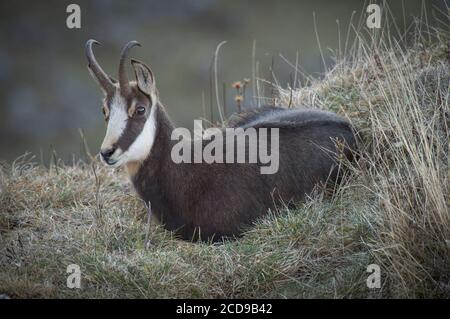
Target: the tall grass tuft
(397, 95)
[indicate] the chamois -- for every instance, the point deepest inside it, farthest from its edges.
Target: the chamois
(211, 201)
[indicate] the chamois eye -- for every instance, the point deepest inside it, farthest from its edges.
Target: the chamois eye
(140, 110)
(104, 113)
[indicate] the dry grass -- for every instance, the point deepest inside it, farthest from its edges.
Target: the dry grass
(398, 99)
(392, 210)
(52, 219)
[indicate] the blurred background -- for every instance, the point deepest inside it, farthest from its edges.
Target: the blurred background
(47, 94)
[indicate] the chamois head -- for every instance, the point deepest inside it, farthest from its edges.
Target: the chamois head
(128, 107)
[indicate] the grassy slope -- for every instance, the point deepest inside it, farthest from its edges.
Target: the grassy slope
(392, 211)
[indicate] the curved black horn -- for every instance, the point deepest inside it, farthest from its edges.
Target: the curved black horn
(98, 72)
(123, 77)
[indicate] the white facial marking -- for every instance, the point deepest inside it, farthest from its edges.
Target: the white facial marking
(142, 145)
(118, 118)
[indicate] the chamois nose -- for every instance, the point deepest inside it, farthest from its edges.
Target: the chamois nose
(106, 154)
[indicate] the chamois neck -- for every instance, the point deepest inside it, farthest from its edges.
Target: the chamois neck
(158, 159)
(158, 179)
(164, 127)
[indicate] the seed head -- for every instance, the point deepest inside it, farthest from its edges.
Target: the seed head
(237, 85)
(239, 98)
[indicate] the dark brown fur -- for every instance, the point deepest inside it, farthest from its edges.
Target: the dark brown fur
(213, 201)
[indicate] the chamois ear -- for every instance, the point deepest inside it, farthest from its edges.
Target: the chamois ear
(144, 76)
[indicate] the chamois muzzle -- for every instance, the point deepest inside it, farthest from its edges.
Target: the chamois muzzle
(106, 154)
